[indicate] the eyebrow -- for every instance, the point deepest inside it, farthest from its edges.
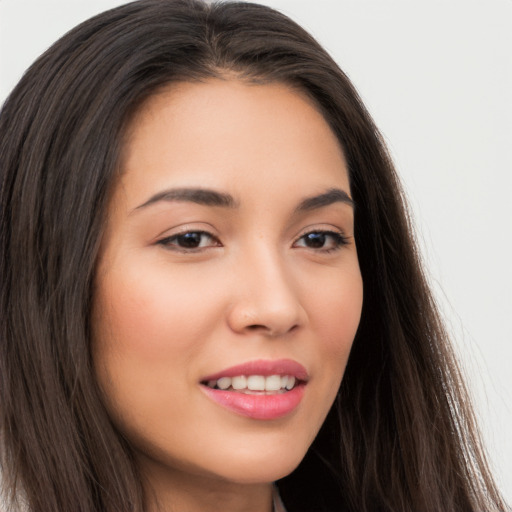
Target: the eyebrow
(208, 197)
(333, 195)
(202, 196)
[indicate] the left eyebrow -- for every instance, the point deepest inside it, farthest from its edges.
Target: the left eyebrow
(333, 195)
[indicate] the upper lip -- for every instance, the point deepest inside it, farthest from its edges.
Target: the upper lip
(263, 367)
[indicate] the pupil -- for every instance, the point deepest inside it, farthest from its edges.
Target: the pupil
(315, 240)
(190, 240)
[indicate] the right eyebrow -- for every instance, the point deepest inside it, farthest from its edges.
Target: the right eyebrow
(204, 196)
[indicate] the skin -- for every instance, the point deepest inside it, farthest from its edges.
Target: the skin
(166, 316)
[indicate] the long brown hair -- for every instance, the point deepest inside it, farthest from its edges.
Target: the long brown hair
(400, 436)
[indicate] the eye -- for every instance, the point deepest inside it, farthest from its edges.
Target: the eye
(325, 241)
(189, 241)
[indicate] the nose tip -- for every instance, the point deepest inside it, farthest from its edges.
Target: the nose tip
(271, 322)
(266, 304)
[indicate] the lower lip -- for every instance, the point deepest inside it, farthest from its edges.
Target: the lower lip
(258, 407)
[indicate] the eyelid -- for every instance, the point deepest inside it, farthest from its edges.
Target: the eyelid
(340, 239)
(322, 228)
(165, 241)
(186, 227)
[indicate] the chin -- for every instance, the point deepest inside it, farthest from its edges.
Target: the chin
(260, 469)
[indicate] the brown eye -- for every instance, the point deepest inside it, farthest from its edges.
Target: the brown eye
(315, 240)
(190, 240)
(322, 240)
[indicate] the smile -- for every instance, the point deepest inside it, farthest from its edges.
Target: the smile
(255, 383)
(262, 390)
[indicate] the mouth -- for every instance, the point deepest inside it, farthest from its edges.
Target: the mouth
(262, 390)
(255, 384)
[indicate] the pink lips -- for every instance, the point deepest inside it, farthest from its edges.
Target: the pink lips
(260, 406)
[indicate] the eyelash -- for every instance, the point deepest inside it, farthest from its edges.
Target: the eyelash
(338, 240)
(168, 241)
(172, 242)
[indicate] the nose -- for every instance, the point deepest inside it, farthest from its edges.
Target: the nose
(266, 298)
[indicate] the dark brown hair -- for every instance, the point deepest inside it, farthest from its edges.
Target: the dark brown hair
(400, 435)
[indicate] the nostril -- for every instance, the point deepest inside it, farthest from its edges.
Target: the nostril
(268, 330)
(257, 327)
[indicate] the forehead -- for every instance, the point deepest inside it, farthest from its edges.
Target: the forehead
(214, 132)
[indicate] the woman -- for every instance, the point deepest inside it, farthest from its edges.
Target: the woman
(193, 200)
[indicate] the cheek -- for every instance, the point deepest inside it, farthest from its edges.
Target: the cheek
(338, 312)
(150, 314)
(142, 337)
(342, 318)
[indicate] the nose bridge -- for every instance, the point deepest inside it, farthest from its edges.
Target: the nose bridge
(266, 297)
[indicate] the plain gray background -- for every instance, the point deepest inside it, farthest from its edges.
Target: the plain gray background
(437, 77)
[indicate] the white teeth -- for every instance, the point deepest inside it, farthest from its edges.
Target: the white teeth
(239, 382)
(272, 383)
(256, 383)
(290, 383)
(224, 383)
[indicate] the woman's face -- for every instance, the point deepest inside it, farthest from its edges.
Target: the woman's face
(228, 274)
